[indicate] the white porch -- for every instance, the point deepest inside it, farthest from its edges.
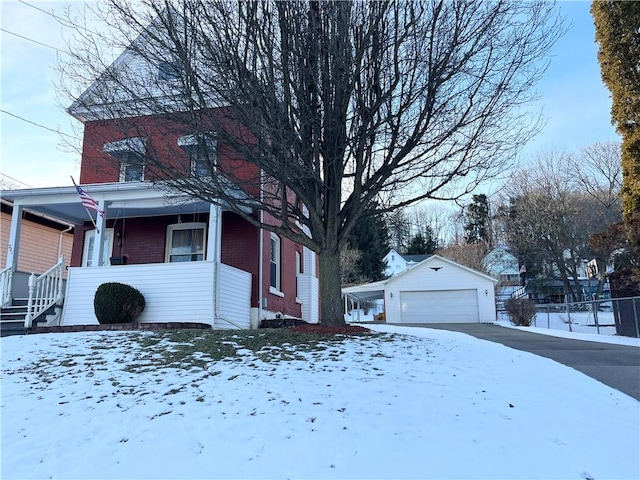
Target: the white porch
(201, 291)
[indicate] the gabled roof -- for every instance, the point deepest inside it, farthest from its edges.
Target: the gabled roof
(120, 90)
(433, 258)
(416, 258)
(408, 258)
(375, 290)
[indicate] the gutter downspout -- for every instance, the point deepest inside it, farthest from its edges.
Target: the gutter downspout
(260, 255)
(69, 228)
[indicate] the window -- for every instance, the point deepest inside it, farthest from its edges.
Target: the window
(201, 150)
(170, 71)
(130, 152)
(185, 242)
(298, 271)
(274, 266)
(131, 167)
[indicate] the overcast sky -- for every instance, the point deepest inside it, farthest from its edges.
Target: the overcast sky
(574, 99)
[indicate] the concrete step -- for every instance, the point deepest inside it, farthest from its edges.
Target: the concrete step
(8, 328)
(14, 313)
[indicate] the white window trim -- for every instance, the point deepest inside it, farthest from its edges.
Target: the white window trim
(89, 236)
(127, 146)
(184, 226)
(276, 290)
(189, 143)
(123, 173)
(298, 274)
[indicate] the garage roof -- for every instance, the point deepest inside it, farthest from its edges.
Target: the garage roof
(375, 290)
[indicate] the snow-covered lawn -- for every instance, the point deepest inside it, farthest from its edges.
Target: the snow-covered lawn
(578, 325)
(411, 403)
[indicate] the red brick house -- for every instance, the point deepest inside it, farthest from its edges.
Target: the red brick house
(193, 261)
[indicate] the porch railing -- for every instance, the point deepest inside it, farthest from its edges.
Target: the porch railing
(44, 291)
(6, 280)
(521, 292)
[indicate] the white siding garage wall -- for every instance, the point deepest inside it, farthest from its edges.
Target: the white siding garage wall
(440, 306)
(439, 290)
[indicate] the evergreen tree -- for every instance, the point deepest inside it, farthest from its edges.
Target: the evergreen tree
(371, 237)
(422, 244)
(618, 35)
(476, 226)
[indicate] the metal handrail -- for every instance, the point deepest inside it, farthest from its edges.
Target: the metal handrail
(44, 291)
(6, 282)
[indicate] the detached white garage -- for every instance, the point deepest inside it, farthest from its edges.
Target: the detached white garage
(436, 290)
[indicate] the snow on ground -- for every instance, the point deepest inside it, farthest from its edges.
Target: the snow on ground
(412, 403)
(582, 326)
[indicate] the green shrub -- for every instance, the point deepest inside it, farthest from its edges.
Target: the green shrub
(117, 303)
(521, 311)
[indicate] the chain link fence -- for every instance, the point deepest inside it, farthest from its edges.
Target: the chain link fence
(610, 316)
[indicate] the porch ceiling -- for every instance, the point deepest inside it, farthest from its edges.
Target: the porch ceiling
(368, 291)
(121, 200)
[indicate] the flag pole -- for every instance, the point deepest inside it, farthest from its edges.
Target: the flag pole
(87, 210)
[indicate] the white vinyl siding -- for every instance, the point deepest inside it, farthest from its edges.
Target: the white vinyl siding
(235, 302)
(440, 306)
(173, 292)
(308, 286)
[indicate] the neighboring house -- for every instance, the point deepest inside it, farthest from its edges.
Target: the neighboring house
(397, 263)
(43, 241)
(436, 290)
(502, 265)
(193, 261)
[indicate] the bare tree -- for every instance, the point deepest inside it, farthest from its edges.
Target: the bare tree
(335, 103)
(468, 254)
(553, 207)
(597, 171)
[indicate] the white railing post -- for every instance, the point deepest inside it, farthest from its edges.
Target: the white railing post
(6, 281)
(59, 280)
(29, 318)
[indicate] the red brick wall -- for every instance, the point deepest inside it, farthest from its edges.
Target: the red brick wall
(161, 136)
(143, 239)
(276, 303)
(240, 248)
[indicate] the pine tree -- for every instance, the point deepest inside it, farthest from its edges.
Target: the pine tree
(422, 244)
(477, 220)
(371, 237)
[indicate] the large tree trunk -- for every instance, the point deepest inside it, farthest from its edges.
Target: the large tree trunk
(330, 291)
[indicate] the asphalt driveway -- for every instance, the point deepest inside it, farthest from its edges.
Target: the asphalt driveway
(617, 366)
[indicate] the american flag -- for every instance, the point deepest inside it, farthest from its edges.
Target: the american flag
(88, 201)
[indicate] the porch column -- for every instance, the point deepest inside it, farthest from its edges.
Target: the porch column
(97, 256)
(14, 236)
(214, 236)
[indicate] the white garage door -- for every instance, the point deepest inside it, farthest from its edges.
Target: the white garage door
(442, 306)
